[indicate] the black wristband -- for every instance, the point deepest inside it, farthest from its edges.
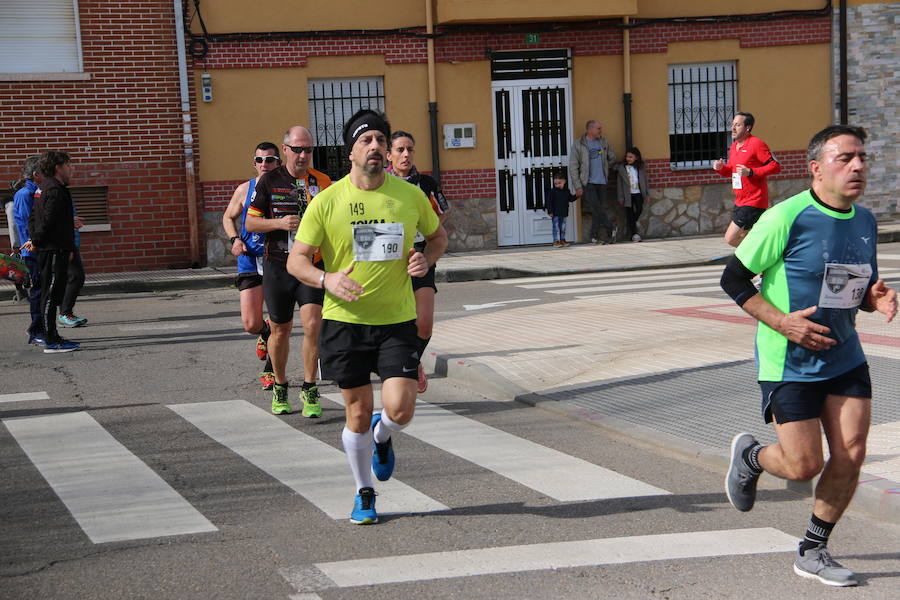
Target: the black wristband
(234, 237)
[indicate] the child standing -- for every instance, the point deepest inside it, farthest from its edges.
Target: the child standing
(632, 189)
(557, 201)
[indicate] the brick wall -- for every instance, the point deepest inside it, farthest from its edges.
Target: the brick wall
(123, 128)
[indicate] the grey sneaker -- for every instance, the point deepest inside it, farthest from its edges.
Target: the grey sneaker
(817, 563)
(740, 482)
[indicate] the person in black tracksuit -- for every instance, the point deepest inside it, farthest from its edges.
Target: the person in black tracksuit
(52, 227)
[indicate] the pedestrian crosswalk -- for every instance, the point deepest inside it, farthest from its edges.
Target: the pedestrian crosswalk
(689, 280)
(114, 496)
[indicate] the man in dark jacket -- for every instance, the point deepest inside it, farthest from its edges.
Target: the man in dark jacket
(52, 227)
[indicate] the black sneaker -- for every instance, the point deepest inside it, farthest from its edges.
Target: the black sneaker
(740, 482)
(816, 563)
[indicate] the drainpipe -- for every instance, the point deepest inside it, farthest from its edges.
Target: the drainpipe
(842, 41)
(432, 96)
(626, 84)
(190, 181)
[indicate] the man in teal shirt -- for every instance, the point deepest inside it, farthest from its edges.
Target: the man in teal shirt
(816, 254)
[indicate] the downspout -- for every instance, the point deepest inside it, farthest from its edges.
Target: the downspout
(190, 181)
(432, 96)
(842, 49)
(626, 84)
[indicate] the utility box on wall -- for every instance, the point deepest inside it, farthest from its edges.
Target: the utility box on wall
(459, 135)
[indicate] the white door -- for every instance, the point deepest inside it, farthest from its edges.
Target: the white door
(532, 135)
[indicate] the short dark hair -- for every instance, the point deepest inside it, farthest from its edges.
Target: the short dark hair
(399, 134)
(268, 146)
(817, 143)
(50, 160)
(749, 121)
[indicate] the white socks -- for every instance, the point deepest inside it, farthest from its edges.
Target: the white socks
(386, 428)
(358, 447)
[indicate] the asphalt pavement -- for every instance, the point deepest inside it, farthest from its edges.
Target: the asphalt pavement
(622, 401)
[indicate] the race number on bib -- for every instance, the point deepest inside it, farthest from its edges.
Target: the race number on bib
(736, 183)
(378, 241)
(844, 286)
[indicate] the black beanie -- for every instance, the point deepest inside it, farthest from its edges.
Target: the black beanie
(362, 121)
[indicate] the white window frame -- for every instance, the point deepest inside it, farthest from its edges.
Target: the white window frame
(77, 74)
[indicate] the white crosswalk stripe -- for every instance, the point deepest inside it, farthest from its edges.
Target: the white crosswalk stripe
(313, 469)
(692, 280)
(24, 397)
(558, 475)
(110, 492)
(556, 555)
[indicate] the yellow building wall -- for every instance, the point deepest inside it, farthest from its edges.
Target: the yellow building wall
(464, 96)
(597, 95)
(226, 16)
(505, 11)
(785, 87)
(654, 9)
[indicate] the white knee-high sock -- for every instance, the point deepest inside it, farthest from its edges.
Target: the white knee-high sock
(358, 447)
(386, 428)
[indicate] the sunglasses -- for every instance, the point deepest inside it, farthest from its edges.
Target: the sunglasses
(299, 149)
(268, 159)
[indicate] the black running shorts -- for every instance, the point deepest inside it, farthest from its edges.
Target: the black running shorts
(427, 280)
(801, 400)
(246, 281)
(349, 353)
(746, 217)
(282, 291)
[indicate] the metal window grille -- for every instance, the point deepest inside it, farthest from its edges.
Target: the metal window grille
(702, 101)
(331, 103)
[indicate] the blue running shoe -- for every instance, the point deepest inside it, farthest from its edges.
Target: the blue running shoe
(37, 339)
(71, 321)
(364, 508)
(383, 457)
(61, 346)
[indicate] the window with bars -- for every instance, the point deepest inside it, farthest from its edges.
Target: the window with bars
(702, 101)
(331, 103)
(91, 202)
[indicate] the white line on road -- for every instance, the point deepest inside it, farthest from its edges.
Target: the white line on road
(674, 291)
(313, 469)
(605, 275)
(155, 327)
(558, 475)
(24, 396)
(632, 278)
(112, 494)
(497, 304)
(556, 555)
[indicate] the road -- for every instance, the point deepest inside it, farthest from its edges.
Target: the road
(147, 466)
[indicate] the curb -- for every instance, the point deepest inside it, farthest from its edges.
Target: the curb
(875, 496)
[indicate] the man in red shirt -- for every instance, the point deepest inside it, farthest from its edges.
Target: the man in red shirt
(749, 164)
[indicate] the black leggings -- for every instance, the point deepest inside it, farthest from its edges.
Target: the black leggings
(633, 212)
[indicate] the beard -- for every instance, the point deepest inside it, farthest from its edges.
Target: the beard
(374, 168)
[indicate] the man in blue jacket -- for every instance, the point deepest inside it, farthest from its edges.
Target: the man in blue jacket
(23, 203)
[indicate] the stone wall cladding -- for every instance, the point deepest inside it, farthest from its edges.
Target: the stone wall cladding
(123, 129)
(874, 95)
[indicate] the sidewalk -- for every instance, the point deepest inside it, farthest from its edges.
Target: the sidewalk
(653, 378)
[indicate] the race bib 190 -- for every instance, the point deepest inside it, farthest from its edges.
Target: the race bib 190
(378, 241)
(844, 286)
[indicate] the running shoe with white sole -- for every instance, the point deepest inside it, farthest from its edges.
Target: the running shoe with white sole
(312, 408)
(61, 346)
(383, 456)
(740, 482)
(364, 508)
(280, 403)
(816, 563)
(71, 321)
